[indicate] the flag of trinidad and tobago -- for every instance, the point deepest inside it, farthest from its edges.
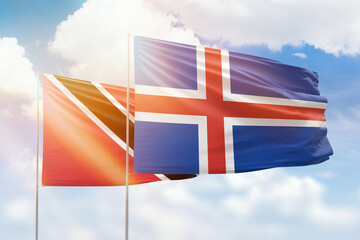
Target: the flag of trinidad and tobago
(84, 135)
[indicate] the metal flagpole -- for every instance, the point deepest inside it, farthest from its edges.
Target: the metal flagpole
(37, 162)
(127, 146)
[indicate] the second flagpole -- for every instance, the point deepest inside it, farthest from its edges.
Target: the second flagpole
(127, 145)
(37, 161)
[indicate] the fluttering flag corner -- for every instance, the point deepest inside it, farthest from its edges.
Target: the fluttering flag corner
(203, 110)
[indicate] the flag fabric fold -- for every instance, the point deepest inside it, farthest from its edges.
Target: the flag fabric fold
(84, 135)
(204, 110)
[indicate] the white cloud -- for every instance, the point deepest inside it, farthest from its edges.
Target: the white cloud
(300, 55)
(286, 196)
(18, 210)
(30, 109)
(18, 89)
(16, 75)
(271, 202)
(254, 206)
(95, 37)
(333, 26)
(20, 163)
(24, 161)
(180, 194)
(18, 83)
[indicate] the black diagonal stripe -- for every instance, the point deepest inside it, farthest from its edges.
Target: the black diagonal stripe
(179, 176)
(100, 106)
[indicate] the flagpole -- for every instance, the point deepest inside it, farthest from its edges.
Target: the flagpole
(37, 162)
(127, 146)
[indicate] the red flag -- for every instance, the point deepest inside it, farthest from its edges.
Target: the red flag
(84, 135)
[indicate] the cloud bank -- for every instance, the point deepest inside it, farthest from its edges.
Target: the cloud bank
(268, 204)
(16, 75)
(94, 38)
(330, 25)
(17, 80)
(18, 91)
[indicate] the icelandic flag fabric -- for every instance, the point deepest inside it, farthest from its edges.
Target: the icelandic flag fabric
(84, 135)
(204, 110)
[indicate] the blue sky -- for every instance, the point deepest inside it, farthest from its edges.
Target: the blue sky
(89, 42)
